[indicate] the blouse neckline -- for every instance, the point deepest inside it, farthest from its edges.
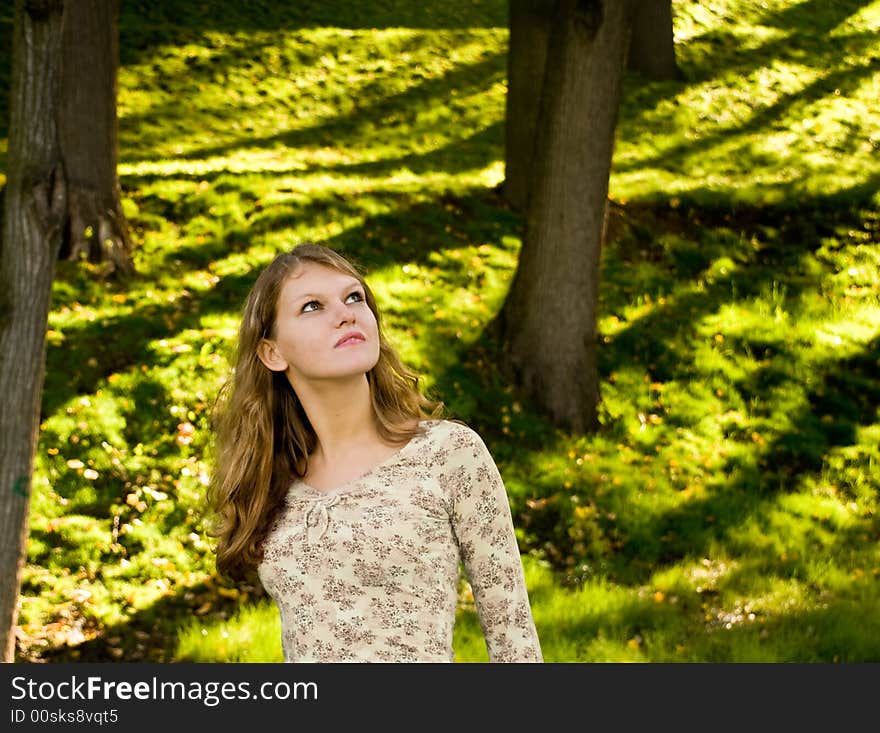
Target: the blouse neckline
(349, 484)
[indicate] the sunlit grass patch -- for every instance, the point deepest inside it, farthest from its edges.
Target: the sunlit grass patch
(252, 634)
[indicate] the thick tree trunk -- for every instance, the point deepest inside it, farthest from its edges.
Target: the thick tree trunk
(96, 226)
(529, 27)
(652, 47)
(548, 321)
(34, 206)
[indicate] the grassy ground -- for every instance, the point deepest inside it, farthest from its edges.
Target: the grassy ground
(726, 511)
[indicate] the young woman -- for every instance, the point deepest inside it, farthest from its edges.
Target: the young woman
(341, 485)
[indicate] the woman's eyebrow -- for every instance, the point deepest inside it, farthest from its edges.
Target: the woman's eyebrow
(348, 286)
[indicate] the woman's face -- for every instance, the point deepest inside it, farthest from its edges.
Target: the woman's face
(324, 328)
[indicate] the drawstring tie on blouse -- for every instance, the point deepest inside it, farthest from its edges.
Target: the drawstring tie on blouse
(317, 519)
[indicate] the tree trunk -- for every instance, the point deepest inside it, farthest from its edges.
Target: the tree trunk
(34, 206)
(548, 322)
(96, 226)
(529, 23)
(652, 47)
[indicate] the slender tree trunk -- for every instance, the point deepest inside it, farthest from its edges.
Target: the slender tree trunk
(34, 206)
(529, 23)
(548, 321)
(96, 226)
(652, 47)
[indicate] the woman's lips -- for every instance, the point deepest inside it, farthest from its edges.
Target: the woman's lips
(350, 339)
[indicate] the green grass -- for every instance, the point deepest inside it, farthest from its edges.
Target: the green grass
(727, 508)
(252, 634)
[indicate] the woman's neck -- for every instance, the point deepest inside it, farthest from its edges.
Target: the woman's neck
(341, 414)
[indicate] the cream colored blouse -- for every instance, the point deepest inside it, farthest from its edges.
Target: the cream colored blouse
(369, 571)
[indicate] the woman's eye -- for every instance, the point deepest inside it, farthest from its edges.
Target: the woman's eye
(310, 306)
(356, 295)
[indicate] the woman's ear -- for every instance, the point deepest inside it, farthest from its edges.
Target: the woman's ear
(270, 356)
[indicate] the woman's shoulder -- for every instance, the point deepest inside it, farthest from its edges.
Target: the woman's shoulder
(450, 432)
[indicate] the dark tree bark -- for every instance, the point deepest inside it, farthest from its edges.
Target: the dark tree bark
(96, 226)
(547, 324)
(529, 27)
(652, 46)
(34, 209)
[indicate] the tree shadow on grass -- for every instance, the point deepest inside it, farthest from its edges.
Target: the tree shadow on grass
(473, 152)
(675, 157)
(808, 26)
(844, 395)
(300, 210)
(374, 113)
(146, 25)
(657, 338)
(815, 18)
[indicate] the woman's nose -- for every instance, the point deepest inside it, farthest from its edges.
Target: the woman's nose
(344, 313)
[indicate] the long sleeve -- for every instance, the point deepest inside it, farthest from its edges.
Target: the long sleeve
(483, 527)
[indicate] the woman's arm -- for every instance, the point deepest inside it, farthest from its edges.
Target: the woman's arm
(483, 526)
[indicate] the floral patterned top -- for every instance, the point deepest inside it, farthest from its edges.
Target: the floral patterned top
(369, 571)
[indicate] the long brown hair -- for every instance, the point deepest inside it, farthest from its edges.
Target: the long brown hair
(263, 437)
